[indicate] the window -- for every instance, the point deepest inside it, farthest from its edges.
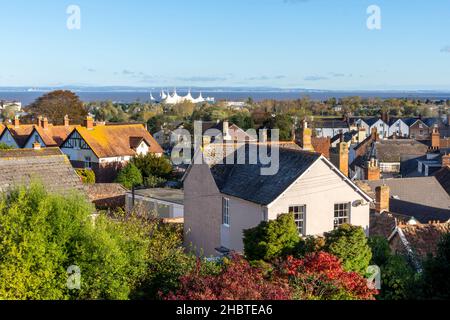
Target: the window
(87, 163)
(226, 211)
(299, 216)
(341, 214)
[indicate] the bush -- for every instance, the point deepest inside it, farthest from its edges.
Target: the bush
(86, 175)
(152, 165)
(397, 279)
(42, 235)
(237, 281)
(271, 240)
(381, 252)
(154, 182)
(349, 243)
(4, 146)
(130, 176)
(320, 276)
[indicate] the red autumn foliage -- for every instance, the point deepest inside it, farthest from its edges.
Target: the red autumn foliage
(321, 276)
(238, 281)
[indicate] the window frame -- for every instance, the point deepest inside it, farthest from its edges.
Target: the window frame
(88, 163)
(226, 219)
(303, 228)
(338, 217)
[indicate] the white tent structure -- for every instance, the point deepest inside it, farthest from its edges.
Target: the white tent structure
(174, 98)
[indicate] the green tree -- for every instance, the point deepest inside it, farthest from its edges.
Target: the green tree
(349, 243)
(130, 176)
(42, 235)
(153, 165)
(86, 175)
(272, 239)
(4, 146)
(56, 104)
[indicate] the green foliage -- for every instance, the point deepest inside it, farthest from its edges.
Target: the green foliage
(42, 235)
(130, 176)
(153, 165)
(282, 122)
(4, 146)
(271, 240)
(349, 243)
(436, 274)
(86, 175)
(309, 245)
(397, 279)
(154, 182)
(381, 252)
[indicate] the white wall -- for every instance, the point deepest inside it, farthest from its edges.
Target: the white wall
(399, 127)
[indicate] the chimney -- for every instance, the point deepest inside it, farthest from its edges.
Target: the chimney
(446, 160)
(226, 131)
(383, 196)
(16, 122)
(435, 139)
(385, 117)
(307, 137)
(66, 121)
(374, 134)
(39, 121)
(36, 146)
(89, 123)
(343, 158)
(45, 123)
(373, 172)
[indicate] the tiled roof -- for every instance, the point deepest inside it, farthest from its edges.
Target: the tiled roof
(106, 195)
(246, 182)
(424, 238)
(322, 146)
(48, 166)
(108, 141)
(21, 133)
(422, 198)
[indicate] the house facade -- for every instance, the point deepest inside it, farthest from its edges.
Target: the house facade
(399, 128)
(221, 201)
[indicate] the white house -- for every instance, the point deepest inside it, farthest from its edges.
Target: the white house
(398, 127)
(374, 123)
(223, 200)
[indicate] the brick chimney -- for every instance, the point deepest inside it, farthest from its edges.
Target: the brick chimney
(16, 122)
(307, 137)
(36, 146)
(385, 117)
(383, 195)
(89, 123)
(40, 121)
(374, 134)
(446, 160)
(45, 123)
(435, 139)
(373, 172)
(66, 121)
(343, 158)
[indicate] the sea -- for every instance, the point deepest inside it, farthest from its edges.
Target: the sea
(27, 97)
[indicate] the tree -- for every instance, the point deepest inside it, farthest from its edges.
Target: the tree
(237, 281)
(57, 104)
(86, 175)
(436, 274)
(349, 243)
(153, 165)
(271, 240)
(321, 276)
(4, 146)
(130, 176)
(42, 235)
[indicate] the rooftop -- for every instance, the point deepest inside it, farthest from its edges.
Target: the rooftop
(164, 194)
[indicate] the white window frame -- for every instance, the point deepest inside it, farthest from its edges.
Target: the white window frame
(337, 219)
(226, 212)
(302, 229)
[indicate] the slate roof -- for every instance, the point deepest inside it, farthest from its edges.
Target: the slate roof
(331, 123)
(392, 150)
(48, 166)
(443, 176)
(422, 198)
(371, 121)
(108, 141)
(246, 182)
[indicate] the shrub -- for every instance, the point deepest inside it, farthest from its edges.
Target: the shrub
(381, 252)
(154, 182)
(349, 243)
(321, 276)
(4, 146)
(130, 176)
(152, 165)
(86, 175)
(237, 281)
(271, 240)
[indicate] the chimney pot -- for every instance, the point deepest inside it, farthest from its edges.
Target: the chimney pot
(89, 123)
(16, 122)
(66, 121)
(45, 123)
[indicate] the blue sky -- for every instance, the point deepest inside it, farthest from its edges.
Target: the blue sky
(320, 44)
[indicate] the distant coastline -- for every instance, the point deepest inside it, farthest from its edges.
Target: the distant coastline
(130, 94)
